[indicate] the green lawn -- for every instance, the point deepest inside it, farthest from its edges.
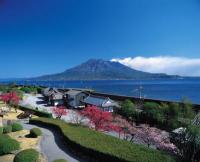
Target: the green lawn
(98, 144)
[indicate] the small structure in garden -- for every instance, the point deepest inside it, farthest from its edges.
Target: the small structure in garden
(104, 103)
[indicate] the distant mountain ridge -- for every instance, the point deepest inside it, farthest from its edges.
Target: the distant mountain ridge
(98, 69)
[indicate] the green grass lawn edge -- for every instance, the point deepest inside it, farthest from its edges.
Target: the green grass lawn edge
(102, 146)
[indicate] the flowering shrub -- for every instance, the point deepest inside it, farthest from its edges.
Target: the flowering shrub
(59, 111)
(123, 125)
(99, 119)
(145, 134)
(10, 98)
(155, 137)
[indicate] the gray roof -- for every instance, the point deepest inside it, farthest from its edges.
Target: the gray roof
(100, 101)
(73, 92)
(50, 91)
(58, 96)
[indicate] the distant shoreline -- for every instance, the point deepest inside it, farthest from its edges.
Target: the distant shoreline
(119, 97)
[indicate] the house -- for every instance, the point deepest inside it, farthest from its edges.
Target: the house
(53, 96)
(104, 103)
(74, 98)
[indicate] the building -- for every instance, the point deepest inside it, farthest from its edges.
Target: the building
(104, 103)
(74, 98)
(53, 96)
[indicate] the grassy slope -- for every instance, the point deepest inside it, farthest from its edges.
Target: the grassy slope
(107, 144)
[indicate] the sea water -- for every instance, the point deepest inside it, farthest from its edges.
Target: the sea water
(164, 89)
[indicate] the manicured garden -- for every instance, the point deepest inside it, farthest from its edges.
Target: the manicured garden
(17, 146)
(102, 146)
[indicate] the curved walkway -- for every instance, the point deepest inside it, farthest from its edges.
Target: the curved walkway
(51, 145)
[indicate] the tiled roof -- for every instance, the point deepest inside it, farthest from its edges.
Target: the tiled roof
(50, 91)
(73, 92)
(99, 101)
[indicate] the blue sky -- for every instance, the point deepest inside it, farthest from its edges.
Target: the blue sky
(40, 37)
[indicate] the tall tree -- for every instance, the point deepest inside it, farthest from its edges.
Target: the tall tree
(127, 108)
(187, 109)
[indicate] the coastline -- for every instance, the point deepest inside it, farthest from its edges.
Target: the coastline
(117, 97)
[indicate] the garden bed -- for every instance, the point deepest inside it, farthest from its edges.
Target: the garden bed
(25, 143)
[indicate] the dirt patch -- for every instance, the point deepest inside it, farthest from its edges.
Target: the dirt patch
(7, 158)
(25, 143)
(12, 115)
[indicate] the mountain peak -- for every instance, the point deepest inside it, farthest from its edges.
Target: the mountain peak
(98, 69)
(95, 60)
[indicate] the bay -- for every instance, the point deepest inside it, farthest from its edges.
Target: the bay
(163, 89)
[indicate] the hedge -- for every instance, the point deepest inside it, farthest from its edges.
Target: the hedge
(100, 146)
(7, 145)
(16, 127)
(7, 129)
(60, 160)
(29, 155)
(36, 112)
(1, 130)
(35, 132)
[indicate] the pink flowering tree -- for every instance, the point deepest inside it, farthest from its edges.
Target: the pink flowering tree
(123, 126)
(59, 111)
(10, 99)
(153, 137)
(100, 120)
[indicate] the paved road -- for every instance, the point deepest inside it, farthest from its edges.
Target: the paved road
(52, 147)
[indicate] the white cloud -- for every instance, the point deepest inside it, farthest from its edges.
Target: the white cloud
(163, 64)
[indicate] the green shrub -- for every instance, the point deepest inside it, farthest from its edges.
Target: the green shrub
(7, 145)
(26, 89)
(1, 130)
(29, 155)
(16, 127)
(35, 132)
(101, 146)
(187, 109)
(60, 160)
(151, 105)
(127, 108)
(7, 129)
